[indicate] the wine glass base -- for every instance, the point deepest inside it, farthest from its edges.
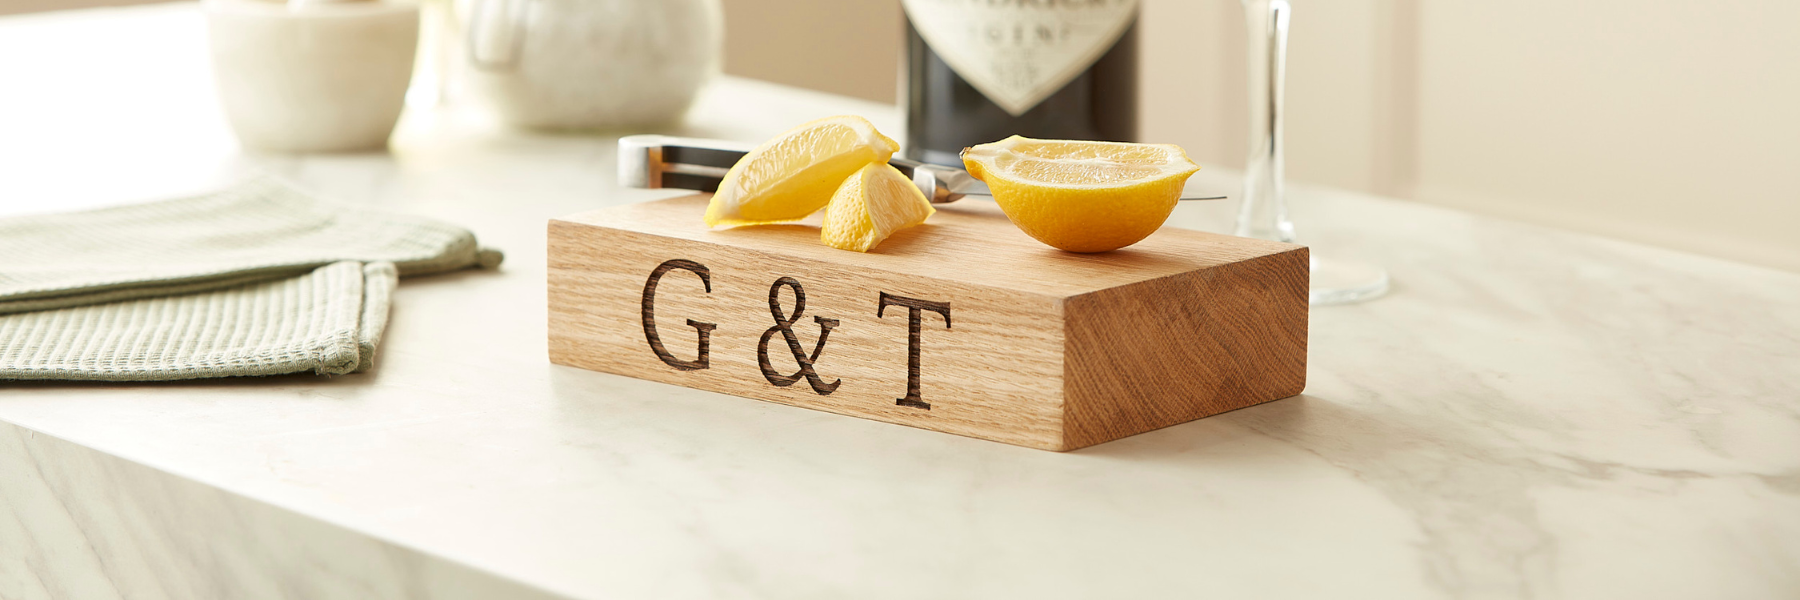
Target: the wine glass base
(1341, 281)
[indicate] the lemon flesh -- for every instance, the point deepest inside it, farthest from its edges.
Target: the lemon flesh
(794, 175)
(1082, 196)
(871, 205)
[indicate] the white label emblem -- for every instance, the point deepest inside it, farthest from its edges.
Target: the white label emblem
(1018, 52)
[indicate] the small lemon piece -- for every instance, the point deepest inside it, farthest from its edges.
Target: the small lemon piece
(870, 206)
(1082, 196)
(794, 174)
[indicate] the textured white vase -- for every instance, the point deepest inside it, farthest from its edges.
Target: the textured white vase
(591, 64)
(312, 76)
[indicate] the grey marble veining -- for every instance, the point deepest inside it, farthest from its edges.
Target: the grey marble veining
(1530, 414)
(84, 524)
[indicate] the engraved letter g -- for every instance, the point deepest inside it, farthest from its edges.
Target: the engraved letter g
(705, 329)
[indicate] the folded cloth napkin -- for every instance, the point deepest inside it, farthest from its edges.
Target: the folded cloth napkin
(257, 230)
(326, 321)
(258, 279)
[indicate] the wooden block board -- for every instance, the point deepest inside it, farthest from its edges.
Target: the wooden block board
(963, 325)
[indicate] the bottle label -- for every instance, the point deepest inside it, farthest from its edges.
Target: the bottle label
(1019, 52)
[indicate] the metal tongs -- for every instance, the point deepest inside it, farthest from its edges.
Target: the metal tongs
(660, 161)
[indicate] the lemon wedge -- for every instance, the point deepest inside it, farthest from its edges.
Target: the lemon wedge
(794, 174)
(1082, 196)
(871, 205)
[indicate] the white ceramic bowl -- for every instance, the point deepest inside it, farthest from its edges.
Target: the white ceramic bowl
(326, 77)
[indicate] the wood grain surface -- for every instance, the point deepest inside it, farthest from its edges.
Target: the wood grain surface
(962, 325)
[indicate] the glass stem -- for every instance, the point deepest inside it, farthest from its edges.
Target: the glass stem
(1263, 213)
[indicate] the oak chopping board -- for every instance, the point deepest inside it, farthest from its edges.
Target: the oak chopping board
(963, 324)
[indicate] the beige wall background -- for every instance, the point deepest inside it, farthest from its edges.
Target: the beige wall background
(1669, 122)
(12, 7)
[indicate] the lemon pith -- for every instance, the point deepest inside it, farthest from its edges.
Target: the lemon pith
(871, 205)
(1082, 196)
(795, 174)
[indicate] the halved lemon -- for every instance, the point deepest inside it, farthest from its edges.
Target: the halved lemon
(871, 205)
(1082, 196)
(794, 174)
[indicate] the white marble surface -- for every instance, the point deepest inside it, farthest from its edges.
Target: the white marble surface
(1530, 414)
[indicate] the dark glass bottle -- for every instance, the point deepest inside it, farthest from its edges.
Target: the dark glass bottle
(946, 113)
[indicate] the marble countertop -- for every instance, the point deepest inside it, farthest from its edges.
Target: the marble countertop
(1531, 413)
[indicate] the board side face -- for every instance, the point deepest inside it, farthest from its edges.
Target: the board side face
(989, 359)
(1184, 347)
(969, 241)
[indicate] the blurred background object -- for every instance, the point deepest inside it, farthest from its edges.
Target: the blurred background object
(1666, 122)
(318, 76)
(1662, 122)
(435, 72)
(1262, 201)
(591, 64)
(980, 72)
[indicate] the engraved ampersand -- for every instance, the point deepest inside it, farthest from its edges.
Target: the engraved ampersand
(784, 325)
